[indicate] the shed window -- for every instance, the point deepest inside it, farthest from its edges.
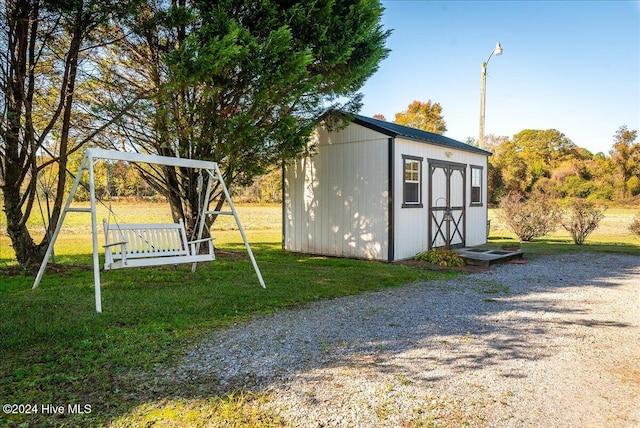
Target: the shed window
(412, 182)
(476, 185)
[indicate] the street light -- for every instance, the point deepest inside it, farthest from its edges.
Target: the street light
(483, 87)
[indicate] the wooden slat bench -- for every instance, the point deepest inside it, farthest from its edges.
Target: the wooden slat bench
(134, 245)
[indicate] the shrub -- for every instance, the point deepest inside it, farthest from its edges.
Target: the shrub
(634, 227)
(603, 191)
(633, 185)
(577, 187)
(441, 257)
(584, 218)
(529, 215)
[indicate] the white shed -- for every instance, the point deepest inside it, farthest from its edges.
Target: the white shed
(382, 191)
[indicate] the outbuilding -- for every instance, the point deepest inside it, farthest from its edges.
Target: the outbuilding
(382, 191)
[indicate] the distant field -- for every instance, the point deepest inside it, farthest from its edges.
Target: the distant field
(613, 228)
(263, 223)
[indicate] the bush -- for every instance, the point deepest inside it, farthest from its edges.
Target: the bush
(633, 185)
(634, 227)
(577, 187)
(603, 191)
(441, 257)
(529, 215)
(584, 218)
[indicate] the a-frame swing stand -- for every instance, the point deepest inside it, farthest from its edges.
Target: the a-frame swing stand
(181, 251)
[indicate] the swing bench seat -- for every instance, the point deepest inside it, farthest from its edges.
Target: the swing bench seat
(138, 245)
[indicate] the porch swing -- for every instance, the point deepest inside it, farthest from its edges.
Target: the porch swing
(149, 244)
(138, 245)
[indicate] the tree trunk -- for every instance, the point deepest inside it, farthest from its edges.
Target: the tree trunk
(16, 160)
(27, 252)
(21, 146)
(68, 88)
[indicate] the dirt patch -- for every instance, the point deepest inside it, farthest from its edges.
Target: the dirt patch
(628, 374)
(230, 255)
(431, 266)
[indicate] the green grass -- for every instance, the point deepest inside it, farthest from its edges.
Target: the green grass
(75, 236)
(57, 350)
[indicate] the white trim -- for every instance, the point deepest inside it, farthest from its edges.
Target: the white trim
(96, 153)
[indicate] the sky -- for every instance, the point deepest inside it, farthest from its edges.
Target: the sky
(573, 66)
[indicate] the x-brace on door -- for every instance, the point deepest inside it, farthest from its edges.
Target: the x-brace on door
(446, 204)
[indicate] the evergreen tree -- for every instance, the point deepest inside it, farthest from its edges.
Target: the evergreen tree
(238, 82)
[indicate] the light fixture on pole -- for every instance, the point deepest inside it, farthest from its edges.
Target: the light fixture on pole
(483, 87)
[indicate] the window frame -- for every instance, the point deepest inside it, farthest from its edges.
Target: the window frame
(479, 202)
(411, 160)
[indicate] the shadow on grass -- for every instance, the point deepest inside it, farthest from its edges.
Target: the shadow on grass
(141, 351)
(560, 246)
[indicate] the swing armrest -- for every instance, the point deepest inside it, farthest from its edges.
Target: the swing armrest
(114, 243)
(193, 245)
(201, 240)
(123, 252)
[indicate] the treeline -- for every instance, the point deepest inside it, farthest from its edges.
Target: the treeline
(531, 161)
(547, 161)
(120, 180)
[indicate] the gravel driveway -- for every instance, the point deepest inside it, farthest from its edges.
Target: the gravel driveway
(554, 342)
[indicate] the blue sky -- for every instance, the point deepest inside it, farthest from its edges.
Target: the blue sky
(573, 66)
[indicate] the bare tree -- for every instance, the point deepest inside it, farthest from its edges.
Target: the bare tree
(45, 46)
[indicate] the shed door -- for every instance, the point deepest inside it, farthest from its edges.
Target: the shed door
(446, 204)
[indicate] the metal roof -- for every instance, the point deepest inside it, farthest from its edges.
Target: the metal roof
(395, 130)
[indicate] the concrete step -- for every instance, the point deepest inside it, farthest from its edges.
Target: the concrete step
(478, 256)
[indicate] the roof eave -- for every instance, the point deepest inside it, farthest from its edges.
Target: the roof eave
(377, 128)
(394, 134)
(471, 149)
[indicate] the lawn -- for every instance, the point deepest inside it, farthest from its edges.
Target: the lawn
(59, 354)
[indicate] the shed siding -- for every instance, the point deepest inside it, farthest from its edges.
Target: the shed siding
(411, 225)
(336, 201)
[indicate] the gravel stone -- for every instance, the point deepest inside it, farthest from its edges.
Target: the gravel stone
(550, 343)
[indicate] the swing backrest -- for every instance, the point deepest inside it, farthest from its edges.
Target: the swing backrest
(147, 240)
